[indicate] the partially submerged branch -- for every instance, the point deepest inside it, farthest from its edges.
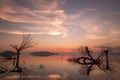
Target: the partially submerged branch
(90, 61)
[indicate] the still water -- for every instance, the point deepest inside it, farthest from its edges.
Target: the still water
(57, 67)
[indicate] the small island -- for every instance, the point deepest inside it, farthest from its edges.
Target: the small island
(7, 54)
(43, 53)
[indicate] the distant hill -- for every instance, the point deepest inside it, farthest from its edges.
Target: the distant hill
(7, 54)
(43, 53)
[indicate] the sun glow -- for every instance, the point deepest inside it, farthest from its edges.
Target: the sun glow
(55, 33)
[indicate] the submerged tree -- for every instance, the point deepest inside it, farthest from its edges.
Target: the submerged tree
(26, 43)
(90, 61)
(107, 58)
(86, 59)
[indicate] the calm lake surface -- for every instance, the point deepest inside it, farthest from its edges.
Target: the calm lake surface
(57, 67)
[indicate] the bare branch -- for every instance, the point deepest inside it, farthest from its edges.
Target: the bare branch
(26, 43)
(14, 46)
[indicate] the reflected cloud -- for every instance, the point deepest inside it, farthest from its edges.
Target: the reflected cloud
(54, 76)
(37, 77)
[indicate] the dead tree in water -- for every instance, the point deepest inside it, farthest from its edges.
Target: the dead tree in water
(26, 43)
(107, 59)
(90, 61)
(83, 59)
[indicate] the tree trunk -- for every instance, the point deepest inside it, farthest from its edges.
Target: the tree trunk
(107, 60)
(17, 61)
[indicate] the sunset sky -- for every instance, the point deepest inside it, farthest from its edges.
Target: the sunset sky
(61, 25)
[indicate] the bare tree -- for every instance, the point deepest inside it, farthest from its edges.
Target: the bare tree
(26, 43)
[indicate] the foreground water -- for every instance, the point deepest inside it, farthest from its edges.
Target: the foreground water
(57, 67)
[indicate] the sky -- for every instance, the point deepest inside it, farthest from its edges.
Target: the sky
(61, 25)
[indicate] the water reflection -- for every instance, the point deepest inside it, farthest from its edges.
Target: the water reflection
(57, 68)
(87, 67)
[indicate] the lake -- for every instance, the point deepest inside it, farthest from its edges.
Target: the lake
(57, 67)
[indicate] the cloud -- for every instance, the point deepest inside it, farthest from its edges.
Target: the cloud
(67, 50)
(39, 30)
(50, 17)
(115, 49)
(93, 37)
(92, 26)
(45, 15)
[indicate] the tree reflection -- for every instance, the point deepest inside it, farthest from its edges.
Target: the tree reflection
(7, 67)
(89, 61)
(3, 64)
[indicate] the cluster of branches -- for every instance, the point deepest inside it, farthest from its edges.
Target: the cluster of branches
(26, 43)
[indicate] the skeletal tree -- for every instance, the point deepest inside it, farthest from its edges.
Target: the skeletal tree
(26, 43)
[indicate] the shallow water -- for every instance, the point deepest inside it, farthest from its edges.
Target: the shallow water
(59, 68)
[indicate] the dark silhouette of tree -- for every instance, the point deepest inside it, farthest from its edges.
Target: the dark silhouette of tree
(107, 58)
(90, 61)
(88, 52)
(26, 43)
(89, 57)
